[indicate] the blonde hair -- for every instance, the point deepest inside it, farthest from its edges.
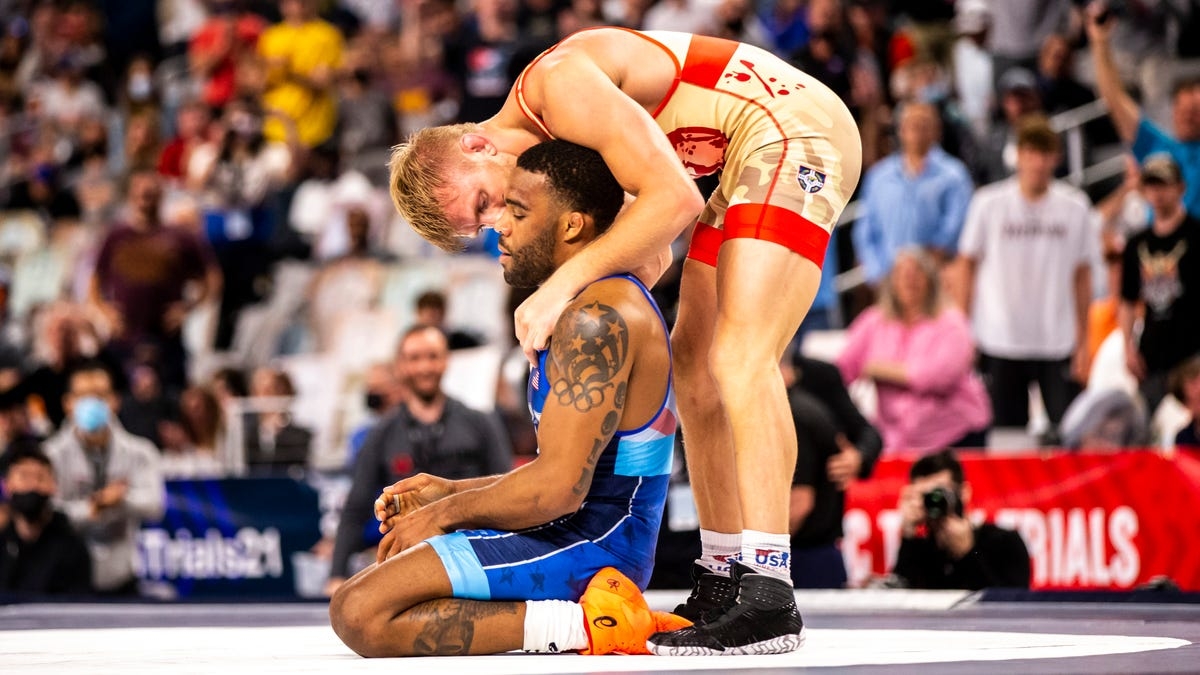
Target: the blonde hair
(932, 305)
(418, 169)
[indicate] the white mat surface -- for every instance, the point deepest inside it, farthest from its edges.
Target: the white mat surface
(296, 650)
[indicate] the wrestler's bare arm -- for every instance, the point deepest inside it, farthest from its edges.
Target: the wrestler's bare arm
(579, 102)
(591, 357)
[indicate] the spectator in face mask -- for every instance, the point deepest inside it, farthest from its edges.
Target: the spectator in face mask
(109, 479)
(40, 553)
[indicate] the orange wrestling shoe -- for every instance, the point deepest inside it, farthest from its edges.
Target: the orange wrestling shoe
(617, 618)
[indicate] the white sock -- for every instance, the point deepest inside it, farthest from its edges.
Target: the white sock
(553, 626)
(769, 554)
(718, 550)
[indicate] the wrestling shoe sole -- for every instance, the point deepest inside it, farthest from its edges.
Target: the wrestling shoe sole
(776, 645)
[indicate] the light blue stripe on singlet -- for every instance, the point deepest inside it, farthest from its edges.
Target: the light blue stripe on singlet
(467, 577)
(651, 457)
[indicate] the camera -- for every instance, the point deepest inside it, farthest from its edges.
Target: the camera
(941, 502)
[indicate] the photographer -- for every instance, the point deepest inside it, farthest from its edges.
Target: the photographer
(940, 547)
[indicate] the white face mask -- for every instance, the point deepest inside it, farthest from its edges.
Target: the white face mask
(140, 87)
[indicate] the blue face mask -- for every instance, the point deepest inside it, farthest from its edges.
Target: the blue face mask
(90, 414)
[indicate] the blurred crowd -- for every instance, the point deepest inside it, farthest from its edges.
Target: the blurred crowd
(196, 244)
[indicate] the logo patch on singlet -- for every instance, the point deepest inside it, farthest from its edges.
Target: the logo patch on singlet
(811, 180)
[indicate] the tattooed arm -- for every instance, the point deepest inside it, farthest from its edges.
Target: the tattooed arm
(591, 356)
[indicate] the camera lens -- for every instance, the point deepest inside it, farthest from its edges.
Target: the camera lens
(939, 503)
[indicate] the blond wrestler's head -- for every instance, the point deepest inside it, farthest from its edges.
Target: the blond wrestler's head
(449, 183)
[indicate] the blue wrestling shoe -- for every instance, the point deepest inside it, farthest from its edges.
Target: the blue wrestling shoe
(765, 620)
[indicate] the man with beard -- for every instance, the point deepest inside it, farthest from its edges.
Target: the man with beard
(428, 433)
(504, 562)
(40, 553)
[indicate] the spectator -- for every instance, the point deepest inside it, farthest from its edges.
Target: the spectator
(1103, 418)
(349, 283)
(479, 56)
(1057, 86)
(974, 81)
(302, 54)
(940, 547)
(917, 196)
(366, 123)
(145, 409)
(65, 338)
(191, 123)
(39, 551)
(1132, 124)
(109, 479)
(1019, 98)
(1060, 91)
(1028, 249)
(431, 311)
(41, 191)
(271, 439)
(235, 173)
(1102, 312)
(196, 448)
(70, 96)
(919, 353)
(1160, 280)
(825, 58)
(429, 433)
(383, 392)
(215, 48)
(1185, 386)
(141, 283)
(1019, 27)
(836, 447)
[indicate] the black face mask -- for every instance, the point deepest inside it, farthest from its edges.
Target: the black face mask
(375, 402)
(30, 505)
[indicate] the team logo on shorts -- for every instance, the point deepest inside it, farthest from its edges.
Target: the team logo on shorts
(811, 180)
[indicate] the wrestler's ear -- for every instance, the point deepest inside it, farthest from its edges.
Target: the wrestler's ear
(477, 143)
(575, 227)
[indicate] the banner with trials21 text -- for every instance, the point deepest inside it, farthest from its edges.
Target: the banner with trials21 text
(1090, 520)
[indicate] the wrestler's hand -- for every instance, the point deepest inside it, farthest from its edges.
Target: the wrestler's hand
(534, 320)
(405, 496)
(408, 530)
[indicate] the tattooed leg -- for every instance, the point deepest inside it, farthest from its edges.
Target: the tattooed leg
(403, 608)
(453, 627)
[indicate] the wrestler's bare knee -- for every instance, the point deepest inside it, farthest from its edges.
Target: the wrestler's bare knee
(355, 623)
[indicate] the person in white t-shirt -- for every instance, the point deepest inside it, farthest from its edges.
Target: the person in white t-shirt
(1027, 247)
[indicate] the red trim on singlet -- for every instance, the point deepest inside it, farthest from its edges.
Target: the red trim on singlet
(706, 244)
(766, 222)
(519, 86)
(706, 60)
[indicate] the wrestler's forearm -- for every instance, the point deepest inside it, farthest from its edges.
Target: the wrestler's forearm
(527, 496)
(464, 484)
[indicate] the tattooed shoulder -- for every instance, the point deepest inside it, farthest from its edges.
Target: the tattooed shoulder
(590, 346)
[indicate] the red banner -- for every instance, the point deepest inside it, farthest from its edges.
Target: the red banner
(1090, 521)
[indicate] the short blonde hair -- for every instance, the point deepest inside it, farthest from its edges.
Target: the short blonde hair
(934, 300)
(418, 169)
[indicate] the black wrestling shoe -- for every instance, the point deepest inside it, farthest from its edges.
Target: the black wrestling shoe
(712, 595)
(765, 620)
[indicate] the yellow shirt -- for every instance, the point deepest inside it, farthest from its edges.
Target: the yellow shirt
(304, 49)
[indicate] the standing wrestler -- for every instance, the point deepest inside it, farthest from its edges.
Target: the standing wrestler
(789, 156)
(500, 563)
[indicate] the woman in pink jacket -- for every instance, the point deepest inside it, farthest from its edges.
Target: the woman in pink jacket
(919, 352)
